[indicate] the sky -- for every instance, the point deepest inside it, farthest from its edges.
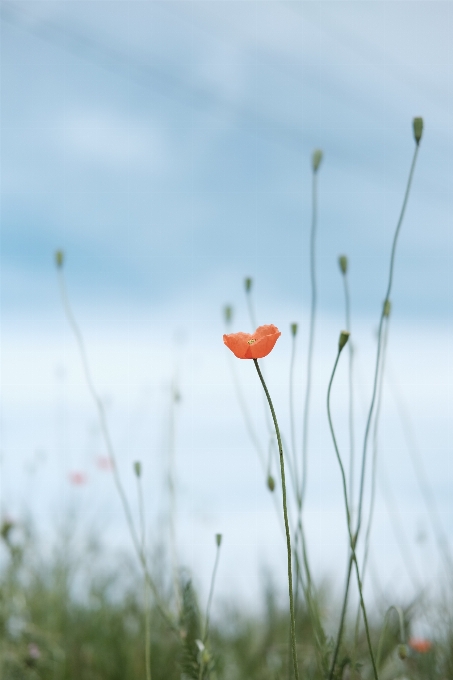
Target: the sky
(166, 148)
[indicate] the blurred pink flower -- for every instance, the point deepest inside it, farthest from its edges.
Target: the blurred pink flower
(77, 478)
(33, 651)
(104, 463)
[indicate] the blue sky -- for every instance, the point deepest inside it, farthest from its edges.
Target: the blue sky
(166, 146)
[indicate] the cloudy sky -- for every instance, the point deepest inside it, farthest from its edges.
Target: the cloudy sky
(165, 147)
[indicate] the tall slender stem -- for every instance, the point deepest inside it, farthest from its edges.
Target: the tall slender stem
(311, 337)
(347, 301)
(211, 591)
(291, 405)
(285, 515)
(141, 508)
(352, 539)
(379, 347)
(109, 445)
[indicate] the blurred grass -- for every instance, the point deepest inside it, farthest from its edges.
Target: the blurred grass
(66, 617)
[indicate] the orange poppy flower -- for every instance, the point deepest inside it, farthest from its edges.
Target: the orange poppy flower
(420, 645)
(255, 346)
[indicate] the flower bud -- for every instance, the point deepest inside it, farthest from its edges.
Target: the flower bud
(248, 284)
(227, 313)
(343, 262)
(387, 308)
(316, 159)
(270, 483)
(417, 125)
(294, 329)
(218, 540)
(402, 652)
(138, 468)
(344, 337)
(59, 258)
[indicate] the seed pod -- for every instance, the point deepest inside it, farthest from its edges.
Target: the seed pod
(343, 262)
(248, 284)
(344, 337)
(218, 540)
(138, 468)
(59, 258)
(227, 313)
(387, 308)
(270, 483)
(316, 159)
(417, 125)
(402, 652)
(294, 329)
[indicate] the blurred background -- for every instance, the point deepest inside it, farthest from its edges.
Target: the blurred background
(166, 148)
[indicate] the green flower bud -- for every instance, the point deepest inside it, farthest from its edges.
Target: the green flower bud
(344, 337)
(270, 483)
(294, 329)
(387, 308)
(138, 468)
(402, 652)
(228, 313)
(218, 540)
(316, 159)
(248, 284)
(343, 262)
(59, 258)
(417, 125)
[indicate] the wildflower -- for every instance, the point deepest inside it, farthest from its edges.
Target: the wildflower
(255, 346)
(77, 478)
(420, 645)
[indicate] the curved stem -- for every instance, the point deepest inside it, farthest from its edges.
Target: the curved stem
(400, 614)
(109, 446)
(291, 410)
(311, 338)
(211, 593)
(352, 539)
(347, 301)
(378, 354)
(285, 515)
(342, 620)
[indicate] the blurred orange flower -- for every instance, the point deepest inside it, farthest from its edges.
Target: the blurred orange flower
(420, 645)
(255, 346)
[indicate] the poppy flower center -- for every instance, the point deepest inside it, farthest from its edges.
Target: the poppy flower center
(251, 341)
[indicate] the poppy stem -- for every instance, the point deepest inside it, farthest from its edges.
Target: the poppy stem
(352, 538)
(285, 515)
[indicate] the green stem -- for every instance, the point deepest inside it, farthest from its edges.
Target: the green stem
(378, 355)
(352, 539)
(285, 515)
(291, 410)
(110, 449)
(311, 338)
(400, 614)
(347, 300)
(211, 593)
(141, 508)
